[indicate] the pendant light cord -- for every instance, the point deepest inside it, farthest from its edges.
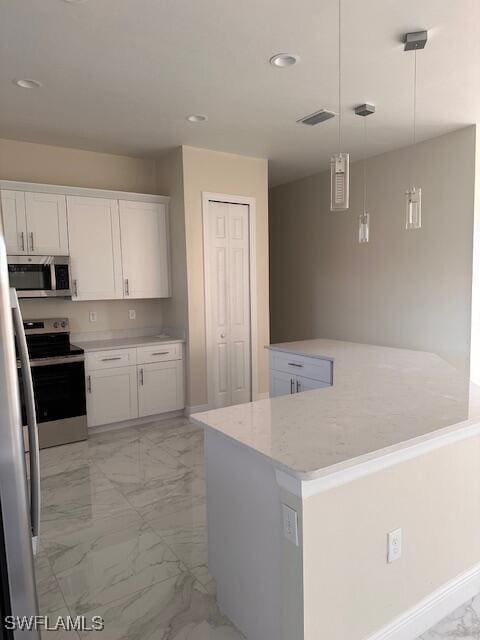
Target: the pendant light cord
(414, 155)
(364, 165)
(339, 76)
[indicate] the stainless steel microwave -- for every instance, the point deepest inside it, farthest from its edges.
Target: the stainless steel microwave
(40, 276)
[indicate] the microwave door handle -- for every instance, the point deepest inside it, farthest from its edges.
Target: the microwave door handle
(53, 277)
(34, 449)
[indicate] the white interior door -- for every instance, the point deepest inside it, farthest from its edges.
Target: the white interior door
(95, 254)
(46, 215)
(228, 303)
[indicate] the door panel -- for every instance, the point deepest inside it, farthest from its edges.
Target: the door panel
(160, 387)
(306, 384)
(281, 384)
(112, 395)
(14, 222)
(46, 215)
(144, 240)
(95, 254)
(228, 295)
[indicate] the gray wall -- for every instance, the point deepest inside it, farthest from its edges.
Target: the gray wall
(409, 289)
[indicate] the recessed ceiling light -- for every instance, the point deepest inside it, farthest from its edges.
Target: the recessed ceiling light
(28, 83)
(197, 117)
(282, 60)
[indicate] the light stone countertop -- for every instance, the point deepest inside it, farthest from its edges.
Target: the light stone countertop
(381, 399)
(124, 343)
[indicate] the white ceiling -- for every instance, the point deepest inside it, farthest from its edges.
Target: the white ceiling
(120, 76)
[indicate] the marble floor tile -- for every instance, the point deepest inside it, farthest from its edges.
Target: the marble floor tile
(69, 549)
(59, 634)
(169, 610)
(60, 488)
(79, 512)
(133, 561)
(50, 597)
(72, 456)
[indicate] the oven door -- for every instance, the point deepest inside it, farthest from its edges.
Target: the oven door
(39, 276)
(60, 400)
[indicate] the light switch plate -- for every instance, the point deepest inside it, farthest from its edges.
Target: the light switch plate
(92, 316)
(394, 543)
(290, 524)
(132, 314)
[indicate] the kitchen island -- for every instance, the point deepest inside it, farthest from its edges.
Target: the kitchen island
(303, 490)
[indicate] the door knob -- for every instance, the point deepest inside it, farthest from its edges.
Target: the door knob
(223, 335)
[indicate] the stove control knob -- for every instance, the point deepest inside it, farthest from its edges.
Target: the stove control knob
(55, 325)
(64, 324)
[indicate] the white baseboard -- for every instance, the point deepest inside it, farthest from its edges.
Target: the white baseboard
(113, 426)
(196, 409)
(423, 616)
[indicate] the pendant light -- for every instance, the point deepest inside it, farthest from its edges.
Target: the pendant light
(339, 162)
(364, 110)
(413, 195)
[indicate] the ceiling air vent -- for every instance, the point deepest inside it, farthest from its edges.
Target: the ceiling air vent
(317, 117)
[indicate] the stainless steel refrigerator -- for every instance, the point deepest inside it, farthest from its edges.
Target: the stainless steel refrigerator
(19, 490)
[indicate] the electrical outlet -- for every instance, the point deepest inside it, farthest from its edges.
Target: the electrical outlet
(132, 314)
(394, 544)
(92, 316)
(290, 524)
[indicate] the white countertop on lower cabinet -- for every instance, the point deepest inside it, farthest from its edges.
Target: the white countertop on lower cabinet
(382, 401)
(124, 343)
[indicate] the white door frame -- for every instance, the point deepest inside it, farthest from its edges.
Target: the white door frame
(252, 234)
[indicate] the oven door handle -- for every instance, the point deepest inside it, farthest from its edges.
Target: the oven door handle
(34, 449)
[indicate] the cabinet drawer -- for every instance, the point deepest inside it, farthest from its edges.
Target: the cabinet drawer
(159, 353)
(111, 359)
(312, 368)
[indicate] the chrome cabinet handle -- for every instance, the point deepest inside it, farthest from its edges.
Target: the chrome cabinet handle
(291, 385)
(295, 364)
(299, 386)
(75, 288)
(34, 449)
(89, 384)
(127, 288)
(161, 353)
(22, 240)
(32, 246)
(111, 359)
(141, 376)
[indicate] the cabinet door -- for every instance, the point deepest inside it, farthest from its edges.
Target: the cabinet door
(46, 215)
(95, 254)
(145, 257)
(14, 222)
(281, 384)
(111, 395)
(306, 384)
(160, 387)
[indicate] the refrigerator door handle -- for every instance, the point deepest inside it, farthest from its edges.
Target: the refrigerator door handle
(34, 449)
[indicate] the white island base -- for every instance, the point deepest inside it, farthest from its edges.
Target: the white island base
(337, 583)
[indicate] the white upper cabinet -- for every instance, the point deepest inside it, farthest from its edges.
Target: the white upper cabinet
(145, 257)
(95, 253)
(14, 221)
(46, 216)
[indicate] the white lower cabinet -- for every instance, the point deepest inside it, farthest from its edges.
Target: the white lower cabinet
(160, 387)
(285, 369)
(123, 384)
(111, 395)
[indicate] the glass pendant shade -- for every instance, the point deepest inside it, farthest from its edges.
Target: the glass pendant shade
(340, 178)
(413, 208)
(364, 227)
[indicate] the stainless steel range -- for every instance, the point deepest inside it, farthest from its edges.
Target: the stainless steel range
(58, 374)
